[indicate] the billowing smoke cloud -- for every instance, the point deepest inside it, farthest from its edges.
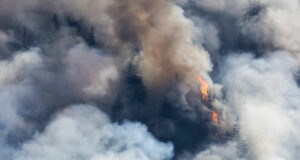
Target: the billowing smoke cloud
(267, 128)
(174, 79)
(21, 64)
(15, 87)
(260, 94)
(91, 71)
(273, 133)
(84, 132)
(272, 23)
(226, 152)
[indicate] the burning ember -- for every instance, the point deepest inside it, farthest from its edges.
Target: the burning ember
(203, 88)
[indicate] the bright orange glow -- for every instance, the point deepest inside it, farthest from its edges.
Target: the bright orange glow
(215, 117)
(203, 88)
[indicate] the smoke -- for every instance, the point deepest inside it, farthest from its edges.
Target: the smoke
(140, 63)
(91, 71)
(267, 128)
(19, 66)
(14, 84)
(223, 152)
(271, 23)
(84, 132)
(272, 134)
(260, 92)
(15, 87)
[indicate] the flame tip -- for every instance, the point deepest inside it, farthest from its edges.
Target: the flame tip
(203, 88)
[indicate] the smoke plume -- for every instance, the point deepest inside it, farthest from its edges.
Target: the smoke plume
(149, 79)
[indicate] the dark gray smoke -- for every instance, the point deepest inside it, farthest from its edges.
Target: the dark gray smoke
(117, 79)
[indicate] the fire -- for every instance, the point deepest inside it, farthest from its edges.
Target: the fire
(215, 117)
(203, 88)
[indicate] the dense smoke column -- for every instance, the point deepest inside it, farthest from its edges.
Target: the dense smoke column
(168, 64)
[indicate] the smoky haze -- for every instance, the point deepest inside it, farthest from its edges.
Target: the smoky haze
(149, 79)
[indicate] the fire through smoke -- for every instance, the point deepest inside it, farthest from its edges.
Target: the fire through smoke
(203, 88)
(215, 117)
(204, 91)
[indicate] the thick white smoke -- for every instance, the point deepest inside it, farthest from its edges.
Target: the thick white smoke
(261, 93)
(83, 132)
(15, 86)
(228, 151)
(263, 96)
(275, 23)
(17, 68)
(79, 132)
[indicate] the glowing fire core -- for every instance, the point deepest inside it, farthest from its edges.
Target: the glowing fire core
(203, 88)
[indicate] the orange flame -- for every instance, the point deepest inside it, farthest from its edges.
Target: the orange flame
(203, 88)
(215, 117)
